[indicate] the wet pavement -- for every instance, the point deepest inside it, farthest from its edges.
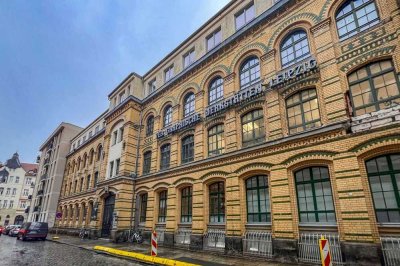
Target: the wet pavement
(37, 252)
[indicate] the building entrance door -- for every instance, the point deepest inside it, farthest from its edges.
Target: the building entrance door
(109, 203)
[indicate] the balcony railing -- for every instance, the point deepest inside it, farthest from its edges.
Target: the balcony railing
(36, 209)
(43, 177)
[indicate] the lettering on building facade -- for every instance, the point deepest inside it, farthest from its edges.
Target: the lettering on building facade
(185, 123)
(293, 72)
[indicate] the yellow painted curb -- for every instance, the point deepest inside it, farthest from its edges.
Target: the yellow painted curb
(142, 257)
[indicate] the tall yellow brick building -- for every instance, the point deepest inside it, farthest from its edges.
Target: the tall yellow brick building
(272, 124)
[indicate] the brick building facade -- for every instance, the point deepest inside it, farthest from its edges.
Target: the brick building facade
(271, 123)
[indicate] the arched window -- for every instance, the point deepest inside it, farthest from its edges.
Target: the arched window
(99, 151)
(302, 111)
(217, 202)
(384, 180)
(188, 149)
(186, 205)
(150, 126)
(355, 16)
(188, 104)
(294, 48)
(143, 208)
(167, 115)
(216, 140)
(257, 197)
(88, 182)
(253, 128)
(162, 207)
(216, 90)
(146, 162)
(374, 87)
(249, 72)
(314, 195)
(91, 156)
(165, 156)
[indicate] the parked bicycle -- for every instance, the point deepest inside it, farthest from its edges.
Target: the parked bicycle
(83, 233)
(135, 237)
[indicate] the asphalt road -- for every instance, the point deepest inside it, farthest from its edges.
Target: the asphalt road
(16, 252)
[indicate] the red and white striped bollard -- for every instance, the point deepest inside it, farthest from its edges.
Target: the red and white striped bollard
(154, 244)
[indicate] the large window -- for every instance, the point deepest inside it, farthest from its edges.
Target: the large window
(214, 39)
(169, 73)
(217, 202)
(146, 162)
(302, 111)
(150, 126)
(253, 128)
(186, 205)
(374, 87)
(314, 195)
(188, 59)
(257, 197)
(249, 72)
(384, 180)
(188, 149)
(188, 104)
(216, 90)
(152, 86)
(245, 16)
(294, 48)
(162, 207)
(216, 140)
(167, 115)
(355, 16)
(143, 208)
(165, 156)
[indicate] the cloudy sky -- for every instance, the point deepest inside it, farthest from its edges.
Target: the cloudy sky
(59, 59)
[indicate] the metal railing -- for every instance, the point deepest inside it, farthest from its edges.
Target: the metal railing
(309, 248)
(391, 250)
(160, 234)
(258, 243)
(182, 236)
(214, 239)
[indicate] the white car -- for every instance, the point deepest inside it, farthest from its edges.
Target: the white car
(14, 231)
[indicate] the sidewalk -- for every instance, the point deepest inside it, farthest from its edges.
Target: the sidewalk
(198, 257)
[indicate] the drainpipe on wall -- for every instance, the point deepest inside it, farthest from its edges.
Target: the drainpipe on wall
(134, 176)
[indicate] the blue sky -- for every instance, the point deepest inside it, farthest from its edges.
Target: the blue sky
(59, 59)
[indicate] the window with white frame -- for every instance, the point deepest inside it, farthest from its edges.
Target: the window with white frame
(188, 58)
(169, 73)
(214, 39)
(245, 16)
(152, 86)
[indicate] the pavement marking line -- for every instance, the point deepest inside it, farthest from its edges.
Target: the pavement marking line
(142, 257)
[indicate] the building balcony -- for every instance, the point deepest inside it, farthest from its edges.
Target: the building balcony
(47, 161)
(40, 192)
(36, 209)
(43, 177)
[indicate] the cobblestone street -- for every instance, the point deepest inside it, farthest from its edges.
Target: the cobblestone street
(16, 252)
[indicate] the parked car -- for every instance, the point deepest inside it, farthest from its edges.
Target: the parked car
(8, 229)
(31, 230)
(14, 231)
(1, 230)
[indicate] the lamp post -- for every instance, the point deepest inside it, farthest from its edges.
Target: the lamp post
(132, 226)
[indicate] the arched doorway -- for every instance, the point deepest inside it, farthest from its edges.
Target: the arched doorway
(109, 203)
(19, 219)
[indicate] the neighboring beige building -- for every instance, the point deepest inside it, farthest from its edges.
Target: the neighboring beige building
(275, 123)
(16, 180)
(51, 170)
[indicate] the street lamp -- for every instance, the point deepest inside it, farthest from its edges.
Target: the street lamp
(133, 175)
